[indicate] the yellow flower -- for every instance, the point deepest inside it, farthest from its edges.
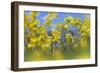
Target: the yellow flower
(61, 25)
(85, 29)
(31, 45)
(33, 24)
(45, 46)
(56, 35)
(33, 42)
(65, 26)
(56, 39)
(69, 38)
(55, 32)
(49, 40)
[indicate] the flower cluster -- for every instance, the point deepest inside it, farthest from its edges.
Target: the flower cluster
(65, 35)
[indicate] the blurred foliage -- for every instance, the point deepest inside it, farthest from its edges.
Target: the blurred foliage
(58, 44)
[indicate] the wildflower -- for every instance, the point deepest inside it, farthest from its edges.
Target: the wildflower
(33, 24)
(66, 26)
(85, 29)
(56, 35)
(68, 38)
(55, 32)
(61, 25)
(33, 42)
(49, 40)
(31, 45)
(73, 21)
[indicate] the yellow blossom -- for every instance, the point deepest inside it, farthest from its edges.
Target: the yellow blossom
(56, 35)
(33, 42)
(69, 38)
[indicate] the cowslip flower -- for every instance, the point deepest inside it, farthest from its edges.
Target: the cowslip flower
(56, 35)
(33, 42)
(68, 38)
